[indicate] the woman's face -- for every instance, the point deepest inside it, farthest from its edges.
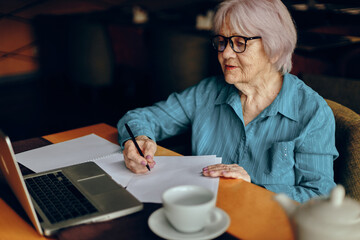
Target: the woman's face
(243, 67)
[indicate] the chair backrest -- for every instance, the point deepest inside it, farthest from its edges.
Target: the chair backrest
(347, 166)
(341, 90)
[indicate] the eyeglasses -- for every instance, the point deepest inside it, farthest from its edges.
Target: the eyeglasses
(237, 43)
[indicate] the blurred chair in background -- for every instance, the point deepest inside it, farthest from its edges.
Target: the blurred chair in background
(347, 137)
(91, 69)
(341, 90)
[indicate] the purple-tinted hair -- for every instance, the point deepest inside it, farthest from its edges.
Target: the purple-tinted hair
(269, 19)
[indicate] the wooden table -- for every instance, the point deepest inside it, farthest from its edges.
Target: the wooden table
(253, 213)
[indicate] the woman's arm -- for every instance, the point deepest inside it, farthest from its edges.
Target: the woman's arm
(162, 120)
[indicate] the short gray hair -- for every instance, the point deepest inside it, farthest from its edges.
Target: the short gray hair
(269, 19)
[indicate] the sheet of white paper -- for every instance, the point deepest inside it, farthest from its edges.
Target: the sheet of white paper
(170, 172)
(114, 165)
(87, 148)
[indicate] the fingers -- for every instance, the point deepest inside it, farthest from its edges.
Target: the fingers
(227, 171)
(133, 160)
(223, 167)
(149, 149)
(150, 161)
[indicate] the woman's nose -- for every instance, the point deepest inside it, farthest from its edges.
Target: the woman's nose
(228, 51)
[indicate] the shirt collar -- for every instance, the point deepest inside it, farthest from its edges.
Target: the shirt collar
(229, 94)
(226, 94)
(286, 103)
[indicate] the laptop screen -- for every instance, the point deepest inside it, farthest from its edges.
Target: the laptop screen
(11, 171)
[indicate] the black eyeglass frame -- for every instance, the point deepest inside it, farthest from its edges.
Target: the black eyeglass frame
(228, 39)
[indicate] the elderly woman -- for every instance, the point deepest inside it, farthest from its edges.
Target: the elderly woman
(266, 124)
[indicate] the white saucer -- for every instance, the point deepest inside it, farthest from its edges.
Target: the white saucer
(161, 227)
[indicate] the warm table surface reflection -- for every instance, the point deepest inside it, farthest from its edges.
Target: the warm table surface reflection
(253, 213)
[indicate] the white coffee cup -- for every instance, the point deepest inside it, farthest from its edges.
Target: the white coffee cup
(188, 207)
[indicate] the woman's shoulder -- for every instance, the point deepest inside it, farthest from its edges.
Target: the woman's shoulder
(210, 86)
(308, 99)
(213, 82)
(303, 91)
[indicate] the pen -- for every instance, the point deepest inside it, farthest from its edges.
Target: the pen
(136, 145)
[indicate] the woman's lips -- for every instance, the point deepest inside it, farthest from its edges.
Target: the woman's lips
(229, 67)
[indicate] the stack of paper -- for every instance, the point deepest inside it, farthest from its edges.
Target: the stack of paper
(169, 171)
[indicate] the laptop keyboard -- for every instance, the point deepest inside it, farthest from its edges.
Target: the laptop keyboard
(58, 198)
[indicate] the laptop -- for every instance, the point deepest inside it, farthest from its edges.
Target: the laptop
(68, 196)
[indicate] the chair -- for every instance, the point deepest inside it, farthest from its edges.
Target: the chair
(341, 90)
(347, 166)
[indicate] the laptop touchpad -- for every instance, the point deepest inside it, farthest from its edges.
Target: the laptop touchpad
(98, 185)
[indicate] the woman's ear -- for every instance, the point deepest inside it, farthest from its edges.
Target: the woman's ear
(274, 59)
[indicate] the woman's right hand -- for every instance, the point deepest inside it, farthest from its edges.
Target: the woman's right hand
(133, 160)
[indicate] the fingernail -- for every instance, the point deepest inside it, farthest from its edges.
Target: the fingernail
(148, 157)
(205, 169)
(143, 163)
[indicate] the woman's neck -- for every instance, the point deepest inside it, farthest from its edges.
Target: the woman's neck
(259, 94)
(265, 86)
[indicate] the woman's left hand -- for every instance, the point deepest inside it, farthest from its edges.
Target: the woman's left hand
(227, 171)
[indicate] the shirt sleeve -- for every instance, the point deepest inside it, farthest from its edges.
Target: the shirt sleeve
(162, 120)
(314, 155)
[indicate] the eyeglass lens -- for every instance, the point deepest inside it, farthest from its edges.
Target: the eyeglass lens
(238, 44)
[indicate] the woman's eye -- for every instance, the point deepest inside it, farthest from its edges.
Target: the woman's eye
(239, 43)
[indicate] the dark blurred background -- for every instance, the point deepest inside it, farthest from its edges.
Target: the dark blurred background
(70, 63)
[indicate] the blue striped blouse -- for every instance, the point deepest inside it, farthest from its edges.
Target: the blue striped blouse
(289, 147)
